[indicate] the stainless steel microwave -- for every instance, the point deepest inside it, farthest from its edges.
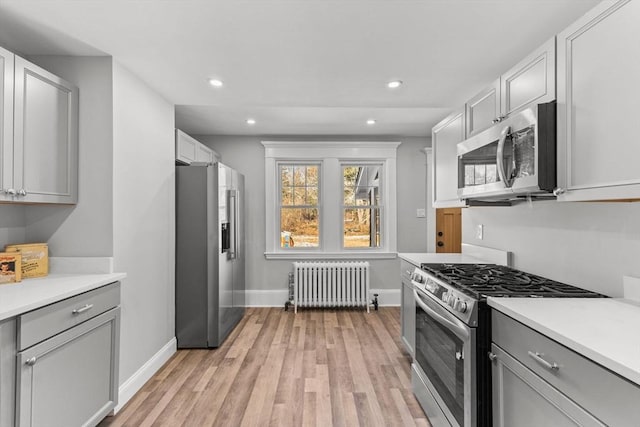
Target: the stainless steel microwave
(513, 158)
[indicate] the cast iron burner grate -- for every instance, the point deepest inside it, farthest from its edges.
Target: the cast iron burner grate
(491, 280)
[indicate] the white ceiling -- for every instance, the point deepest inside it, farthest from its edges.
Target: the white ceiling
(299, 67)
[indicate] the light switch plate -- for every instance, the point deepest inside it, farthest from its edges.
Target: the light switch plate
(631, 287)
(479, 231)
(420, 213)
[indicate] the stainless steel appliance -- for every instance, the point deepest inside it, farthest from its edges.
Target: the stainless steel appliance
(451, 373)
(210, 278)
(514, 158)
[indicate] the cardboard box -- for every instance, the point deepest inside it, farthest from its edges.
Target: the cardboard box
(35, 258)
(10, 267)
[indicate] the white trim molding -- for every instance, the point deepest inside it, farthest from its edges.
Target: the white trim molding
(331, 155)
(132, 385)
(331, 255)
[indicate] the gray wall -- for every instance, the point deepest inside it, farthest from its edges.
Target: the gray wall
(85, 229)
(246, 154)
(143, 217)
(591, 245)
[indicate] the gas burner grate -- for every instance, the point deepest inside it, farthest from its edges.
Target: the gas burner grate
(484, 280)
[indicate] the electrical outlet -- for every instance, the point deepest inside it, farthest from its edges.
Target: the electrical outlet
(420, 213)
(479, 231)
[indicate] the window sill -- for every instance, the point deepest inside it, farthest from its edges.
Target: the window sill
(330, 255)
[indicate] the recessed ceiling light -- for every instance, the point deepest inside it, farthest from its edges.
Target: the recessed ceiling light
(215, 82)
(394, 84)
(251, 122)
(371, 122)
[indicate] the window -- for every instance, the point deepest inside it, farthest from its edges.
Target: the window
(299, 207)
(361, 206)
(330, 199)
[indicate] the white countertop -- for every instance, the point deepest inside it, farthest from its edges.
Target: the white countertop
(605, 330)
(420, 258)
(18, 298)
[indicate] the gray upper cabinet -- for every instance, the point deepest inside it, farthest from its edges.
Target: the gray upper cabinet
(598, 104)
(6, 120)
(483, 109)
(531, 81)
(40, 144)
(444, 139)
(189, 150)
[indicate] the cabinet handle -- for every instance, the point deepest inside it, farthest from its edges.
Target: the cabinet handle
(558, 191)
(492, 356)
(32, 361)
(10, 191)
(82, 309)
(538, 358)
(22, 192)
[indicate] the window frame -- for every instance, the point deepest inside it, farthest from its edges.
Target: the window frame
(330, 155)
(279, 204)
(380, 206)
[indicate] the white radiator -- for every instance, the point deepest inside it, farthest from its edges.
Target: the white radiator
(331, 284)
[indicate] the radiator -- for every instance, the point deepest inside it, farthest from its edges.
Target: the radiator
(330, 284)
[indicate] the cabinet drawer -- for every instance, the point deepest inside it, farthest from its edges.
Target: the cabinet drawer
(38, 325)
(609, 397)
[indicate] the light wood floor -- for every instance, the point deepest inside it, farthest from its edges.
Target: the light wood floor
(314, 368)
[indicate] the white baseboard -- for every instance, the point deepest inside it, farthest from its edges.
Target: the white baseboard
(142, 375)
(266, 298)
(277, 297)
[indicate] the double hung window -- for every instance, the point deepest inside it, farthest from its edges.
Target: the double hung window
(330, 200)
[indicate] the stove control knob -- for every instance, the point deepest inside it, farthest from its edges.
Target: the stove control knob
(461, 306)
(452, 301)
(418, 278)
(445, 297)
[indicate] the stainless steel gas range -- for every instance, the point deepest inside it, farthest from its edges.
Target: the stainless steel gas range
(451, 373)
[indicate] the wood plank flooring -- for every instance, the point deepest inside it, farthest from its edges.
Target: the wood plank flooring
(277, 368)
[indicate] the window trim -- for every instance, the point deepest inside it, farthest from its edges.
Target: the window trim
(331, 155)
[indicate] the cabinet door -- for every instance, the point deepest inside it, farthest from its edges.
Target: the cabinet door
(531, 81)
(598, 69)
(45, 136)
(204, 154)
(6, 122)
(483, 109)
(408, 317)
(70, 379)
(444, 139)
(186, 147)
(523, 399)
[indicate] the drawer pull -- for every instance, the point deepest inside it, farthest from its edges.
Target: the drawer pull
(32, 361)
(538, 358)
(492, 356)
(81, 310)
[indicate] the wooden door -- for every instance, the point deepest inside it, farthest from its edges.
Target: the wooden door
(449, 230)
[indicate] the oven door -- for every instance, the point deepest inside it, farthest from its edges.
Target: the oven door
(445, 354)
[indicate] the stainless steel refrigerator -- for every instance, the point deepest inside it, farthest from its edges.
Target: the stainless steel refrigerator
(210, 278)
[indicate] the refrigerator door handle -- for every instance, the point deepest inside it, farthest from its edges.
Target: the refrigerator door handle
(233, 220)
(236, 222)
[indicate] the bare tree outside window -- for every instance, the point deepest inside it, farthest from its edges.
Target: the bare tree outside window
(299, 205)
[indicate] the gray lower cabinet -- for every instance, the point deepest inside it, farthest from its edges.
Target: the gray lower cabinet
(407, 307)
(69, 378)
(538, 382)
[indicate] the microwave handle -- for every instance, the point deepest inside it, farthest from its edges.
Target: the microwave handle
(500, 157)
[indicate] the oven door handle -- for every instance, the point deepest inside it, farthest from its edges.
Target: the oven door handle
(452, 323)
(500, 157)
